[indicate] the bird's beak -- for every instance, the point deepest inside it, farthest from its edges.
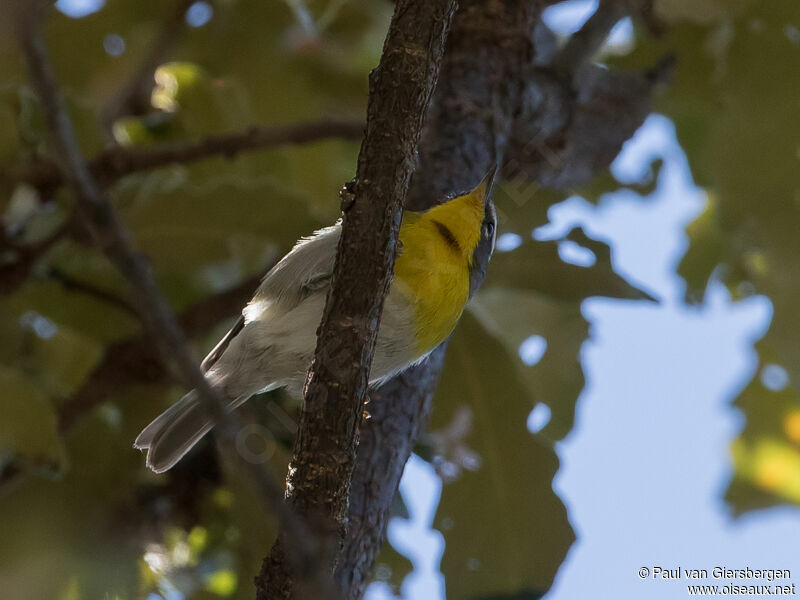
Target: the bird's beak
(486, 187)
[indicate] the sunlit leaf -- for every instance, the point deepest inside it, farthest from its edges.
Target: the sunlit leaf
(222, 583)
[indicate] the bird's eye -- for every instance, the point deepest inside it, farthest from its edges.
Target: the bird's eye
(490, 228)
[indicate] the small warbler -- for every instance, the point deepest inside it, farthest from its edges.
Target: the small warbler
(441, 260)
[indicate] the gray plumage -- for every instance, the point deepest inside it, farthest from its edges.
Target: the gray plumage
(272, 346)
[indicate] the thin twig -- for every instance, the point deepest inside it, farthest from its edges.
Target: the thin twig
(116, 162)
(303, 16)
(71, 284)
(159, 321)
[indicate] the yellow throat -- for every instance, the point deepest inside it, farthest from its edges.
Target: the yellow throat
(433, 265)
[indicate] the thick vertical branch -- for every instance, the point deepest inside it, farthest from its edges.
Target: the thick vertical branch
(398, 412)
(324, 454)
(489, 96)
(479, 93)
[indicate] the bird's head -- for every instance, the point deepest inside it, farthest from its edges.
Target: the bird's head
(468, 223)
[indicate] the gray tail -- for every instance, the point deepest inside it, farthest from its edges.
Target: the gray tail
(175, 431)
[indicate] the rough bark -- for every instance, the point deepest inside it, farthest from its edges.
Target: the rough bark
(398, 412)
(480, 86)
(325, 448)
(502, 92)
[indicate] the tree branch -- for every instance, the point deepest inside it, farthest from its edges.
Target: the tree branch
(483, 75)
(15, 273)
(71, 284)
(324, 453)
(158, 319)
(489, 101)
(398, 414)
(110, 234)
(116, 162)
(587, 41)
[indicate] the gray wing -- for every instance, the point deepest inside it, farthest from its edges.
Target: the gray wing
(221, 346)
(306, 269)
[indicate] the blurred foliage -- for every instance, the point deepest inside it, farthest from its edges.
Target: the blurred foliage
(735, 102)
(508, 548)
(89, 515)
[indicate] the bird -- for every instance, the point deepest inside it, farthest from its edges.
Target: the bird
(442, 258)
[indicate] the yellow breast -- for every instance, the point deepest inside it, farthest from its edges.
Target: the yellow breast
(432, 267)
(435, 284)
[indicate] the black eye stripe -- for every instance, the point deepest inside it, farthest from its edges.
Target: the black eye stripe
(447, 235)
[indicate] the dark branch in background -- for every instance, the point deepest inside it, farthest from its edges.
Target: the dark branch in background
(398, 412)
(400, 90)
(587, 41)
(94, 207)
(159, 321)
(576, 115)
(71, 284)
(116, 162)
(133, 98)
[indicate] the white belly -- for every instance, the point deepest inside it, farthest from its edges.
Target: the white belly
(277, 349)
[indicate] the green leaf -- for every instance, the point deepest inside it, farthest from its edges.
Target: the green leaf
(536, 266)
(522, 206)
(84, 315)
(557, 379)
(28, 429)
(708, 251)
(505, 529)
(699, 11)
(9, 139)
